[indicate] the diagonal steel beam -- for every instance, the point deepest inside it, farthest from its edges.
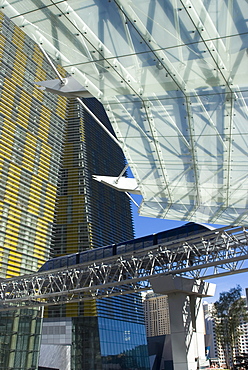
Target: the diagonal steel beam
(221, 251)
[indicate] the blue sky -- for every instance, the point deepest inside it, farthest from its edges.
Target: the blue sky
(146, 225)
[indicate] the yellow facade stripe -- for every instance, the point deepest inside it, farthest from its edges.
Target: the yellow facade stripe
(18, 37)
(29, 150)
(72, 310)
(90, 308)
(26, 99)
(52, 191)
(40, 74)
(9, 87)
(8, 95)
(19, 67)
(38, 94)
(2, 42)
(7, 112)
(62, 103)
(41, 252)
(38, 56)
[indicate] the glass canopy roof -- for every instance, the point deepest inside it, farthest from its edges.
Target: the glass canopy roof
(173, 78)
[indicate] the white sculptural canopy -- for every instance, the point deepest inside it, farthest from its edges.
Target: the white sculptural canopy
(173, 78)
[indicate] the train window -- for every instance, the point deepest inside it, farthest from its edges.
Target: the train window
(196, 229)
(182, 235)
(162, 237)
(49, 265)
(72, 260)
(191, 232)
(120, 249)
(130, 246)
(91, 255)
(57, 263)
(138, 245)
(99, 253)
(171, 235)
(180, 232)
(108, 251)
(63, 261)
(148, 241)
(83, 257)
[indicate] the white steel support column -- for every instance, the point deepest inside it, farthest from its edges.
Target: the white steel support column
(186, 319)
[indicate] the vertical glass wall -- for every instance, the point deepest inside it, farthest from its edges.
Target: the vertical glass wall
(20, 334)
(122, 333)
(123, 345)
(86, 352)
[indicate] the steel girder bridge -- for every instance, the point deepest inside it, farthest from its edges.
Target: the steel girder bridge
(213, 253)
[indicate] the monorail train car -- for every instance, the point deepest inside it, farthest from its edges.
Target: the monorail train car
(189, 229)
(162, 237)
(135, 244)
(95, 254)
(61, 261)
(78, 258)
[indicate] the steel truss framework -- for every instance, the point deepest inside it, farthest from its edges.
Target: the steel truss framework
(213, 253)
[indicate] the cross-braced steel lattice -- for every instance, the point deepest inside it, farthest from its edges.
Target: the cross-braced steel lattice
(213, 253)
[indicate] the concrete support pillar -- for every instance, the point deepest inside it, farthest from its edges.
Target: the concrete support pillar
(186, 318)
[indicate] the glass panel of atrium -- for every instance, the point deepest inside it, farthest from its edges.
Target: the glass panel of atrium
(172, 76)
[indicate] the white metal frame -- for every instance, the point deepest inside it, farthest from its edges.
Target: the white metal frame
(210, 254)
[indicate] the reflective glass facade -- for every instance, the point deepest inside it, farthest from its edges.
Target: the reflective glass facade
(86, 351)
(122, 333)
(123, 345)
(20, 339)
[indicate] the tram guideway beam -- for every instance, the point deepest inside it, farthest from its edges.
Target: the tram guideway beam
(186, 318)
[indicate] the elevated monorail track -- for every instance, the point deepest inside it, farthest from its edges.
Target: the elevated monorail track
(205, 255)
